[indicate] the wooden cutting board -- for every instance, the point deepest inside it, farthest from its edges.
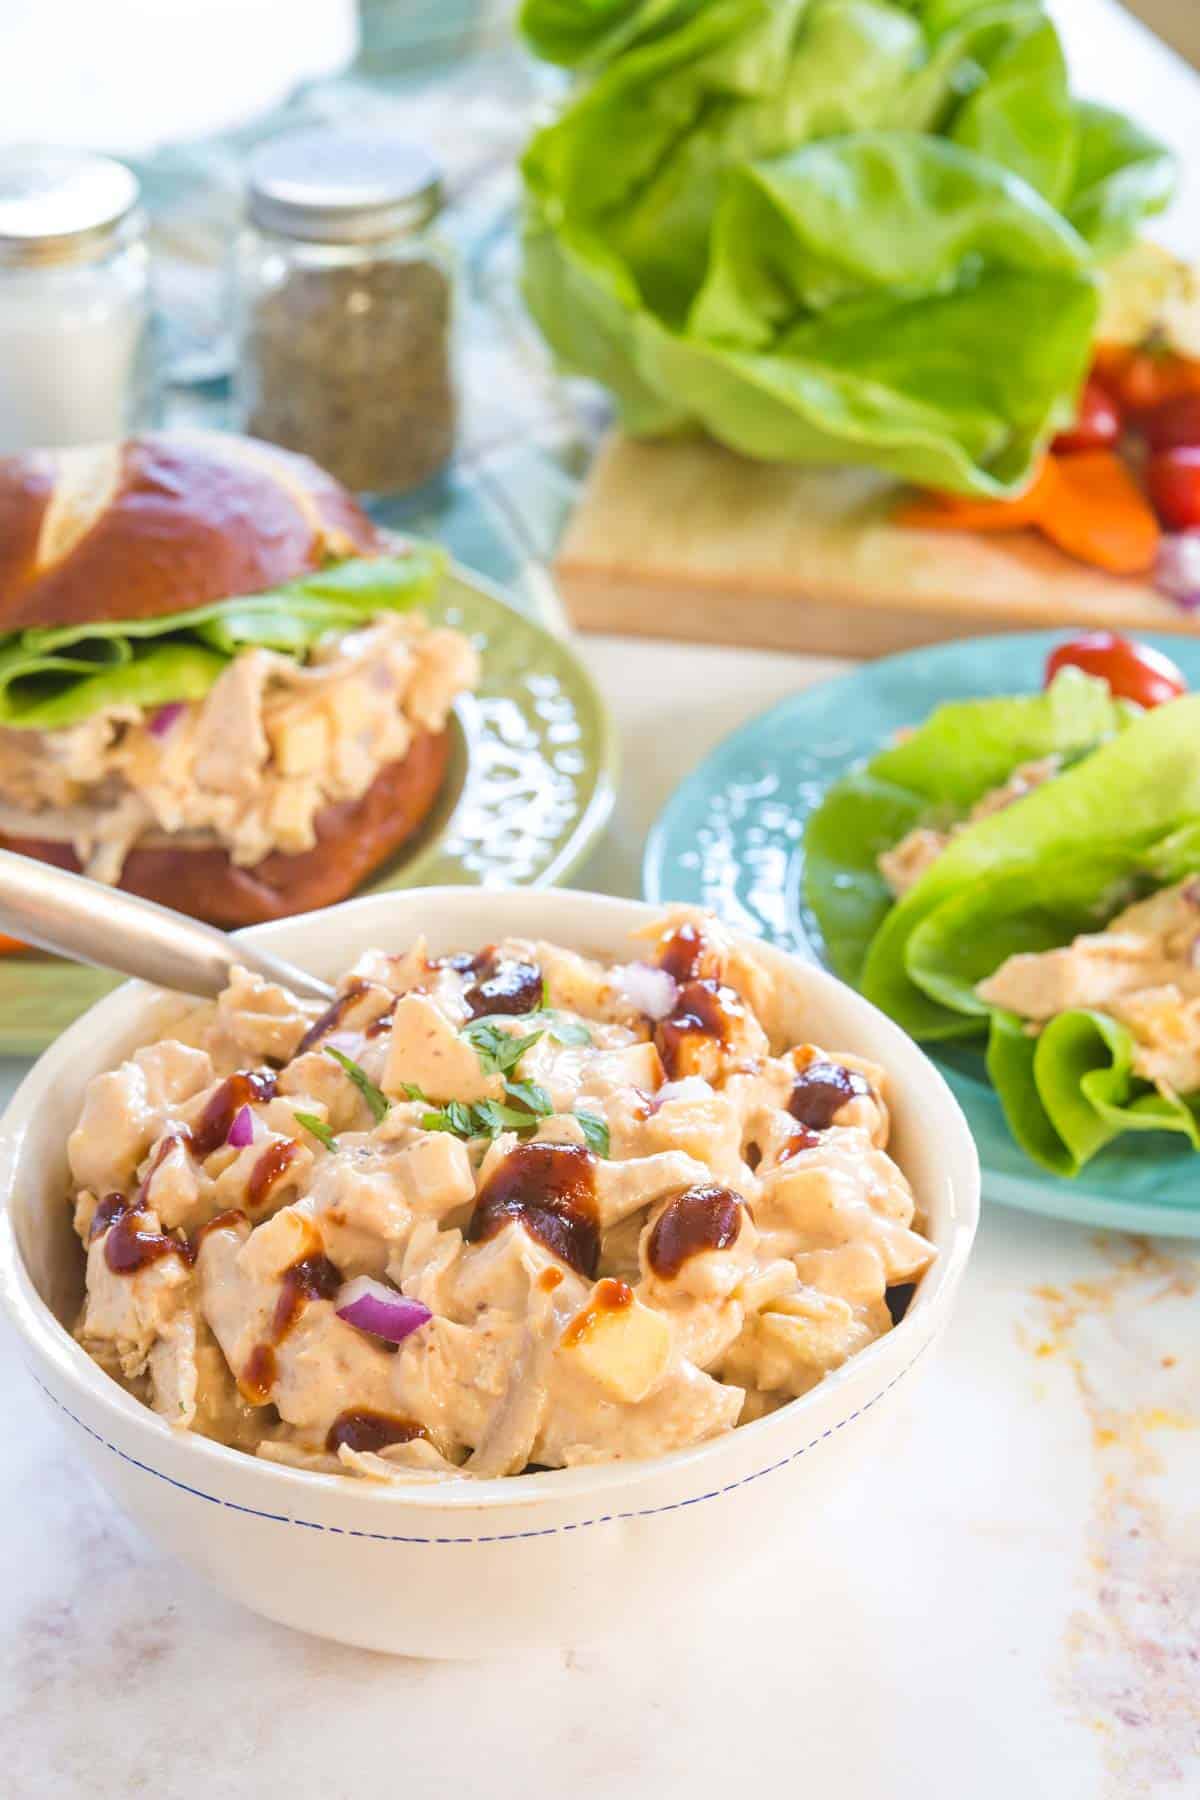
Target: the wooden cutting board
(688, 540)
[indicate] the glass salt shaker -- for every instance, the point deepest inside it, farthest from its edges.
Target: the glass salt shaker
(75, 349)
(344, 309)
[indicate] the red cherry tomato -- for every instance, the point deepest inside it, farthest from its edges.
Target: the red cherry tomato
(1097, 422)
(1142, 377)
(1174, 423)
(1132, 671)
(1173, 484)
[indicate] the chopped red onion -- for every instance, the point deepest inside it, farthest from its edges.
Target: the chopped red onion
(162, 721)
(1177, 573)
(1194, 953)
(383, 1311)
(651, 991)
(241, 1132)
(691, 1087)
(1190, 891)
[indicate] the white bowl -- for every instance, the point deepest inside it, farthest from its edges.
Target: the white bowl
(496, 1564)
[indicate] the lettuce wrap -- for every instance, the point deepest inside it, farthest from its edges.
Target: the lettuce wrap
(963, 751)
(1120, 821)
(56, 677)
(862, 231)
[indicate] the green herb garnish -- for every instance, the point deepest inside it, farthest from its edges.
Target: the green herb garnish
(375, 1099)
(488, 1118)
(498, 1050)
(484, 1119)
(564, 1030)
(454, 1117)
(595, 1131)
(316, 1128)
(531, 1095)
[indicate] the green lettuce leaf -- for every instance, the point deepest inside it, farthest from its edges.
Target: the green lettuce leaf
(1121, 177)
(1107, 814)
(1022, 117)
(1120, 821)
(838, 318)
(575, 36)
(962, 751)
(859, 818)
(1031, 907)
(852, 230)
(1070, 1090)
(51, 678)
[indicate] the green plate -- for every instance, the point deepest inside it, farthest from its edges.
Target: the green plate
(732, 837)
(530, 786)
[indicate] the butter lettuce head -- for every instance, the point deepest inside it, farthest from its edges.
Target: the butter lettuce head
(851, 230)
(52, 678)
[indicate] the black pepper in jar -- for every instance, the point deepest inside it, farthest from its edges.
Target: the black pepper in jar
(346, 310)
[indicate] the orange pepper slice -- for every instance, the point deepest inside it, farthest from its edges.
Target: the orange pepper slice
(955, 512)
(1087, 503)
(1101, 515)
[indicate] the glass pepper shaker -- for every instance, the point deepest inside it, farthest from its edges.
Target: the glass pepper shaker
(344, 309)
(75, 351)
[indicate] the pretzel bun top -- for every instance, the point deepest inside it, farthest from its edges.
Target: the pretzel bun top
(162, 523)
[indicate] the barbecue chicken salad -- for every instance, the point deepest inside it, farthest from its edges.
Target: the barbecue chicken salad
(493, 1212)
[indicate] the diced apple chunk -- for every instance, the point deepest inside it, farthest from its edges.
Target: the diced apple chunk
(301, 744)
(426, 1052)
(622, 1345)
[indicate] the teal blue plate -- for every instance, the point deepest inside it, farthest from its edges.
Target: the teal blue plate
(732, 837)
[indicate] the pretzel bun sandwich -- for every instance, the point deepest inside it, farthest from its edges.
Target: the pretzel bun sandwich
(215, 689)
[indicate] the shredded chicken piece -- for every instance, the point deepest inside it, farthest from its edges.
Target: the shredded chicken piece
(1143, 969)
(904, 864)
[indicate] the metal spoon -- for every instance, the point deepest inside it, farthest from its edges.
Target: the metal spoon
(104, 926)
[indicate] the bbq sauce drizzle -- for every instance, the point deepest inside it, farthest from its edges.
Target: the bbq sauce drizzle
(821, 1090)
(550, 1189)
(703, 1008)
(360, 1428)
(506, 987)
(245, 1088)
(682, 953)
(130, 1244)
(310, 1277)
(707, 1217)
(333, 1015)
(608, 1296)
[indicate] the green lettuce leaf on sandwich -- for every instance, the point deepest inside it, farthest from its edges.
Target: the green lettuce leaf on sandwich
(52, 678)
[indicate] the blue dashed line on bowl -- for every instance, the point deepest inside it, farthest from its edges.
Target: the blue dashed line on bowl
(502, 1537)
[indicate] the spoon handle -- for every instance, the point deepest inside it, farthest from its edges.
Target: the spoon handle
(92, 923)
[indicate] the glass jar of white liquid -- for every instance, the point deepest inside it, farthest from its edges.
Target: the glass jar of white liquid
(75, 365)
